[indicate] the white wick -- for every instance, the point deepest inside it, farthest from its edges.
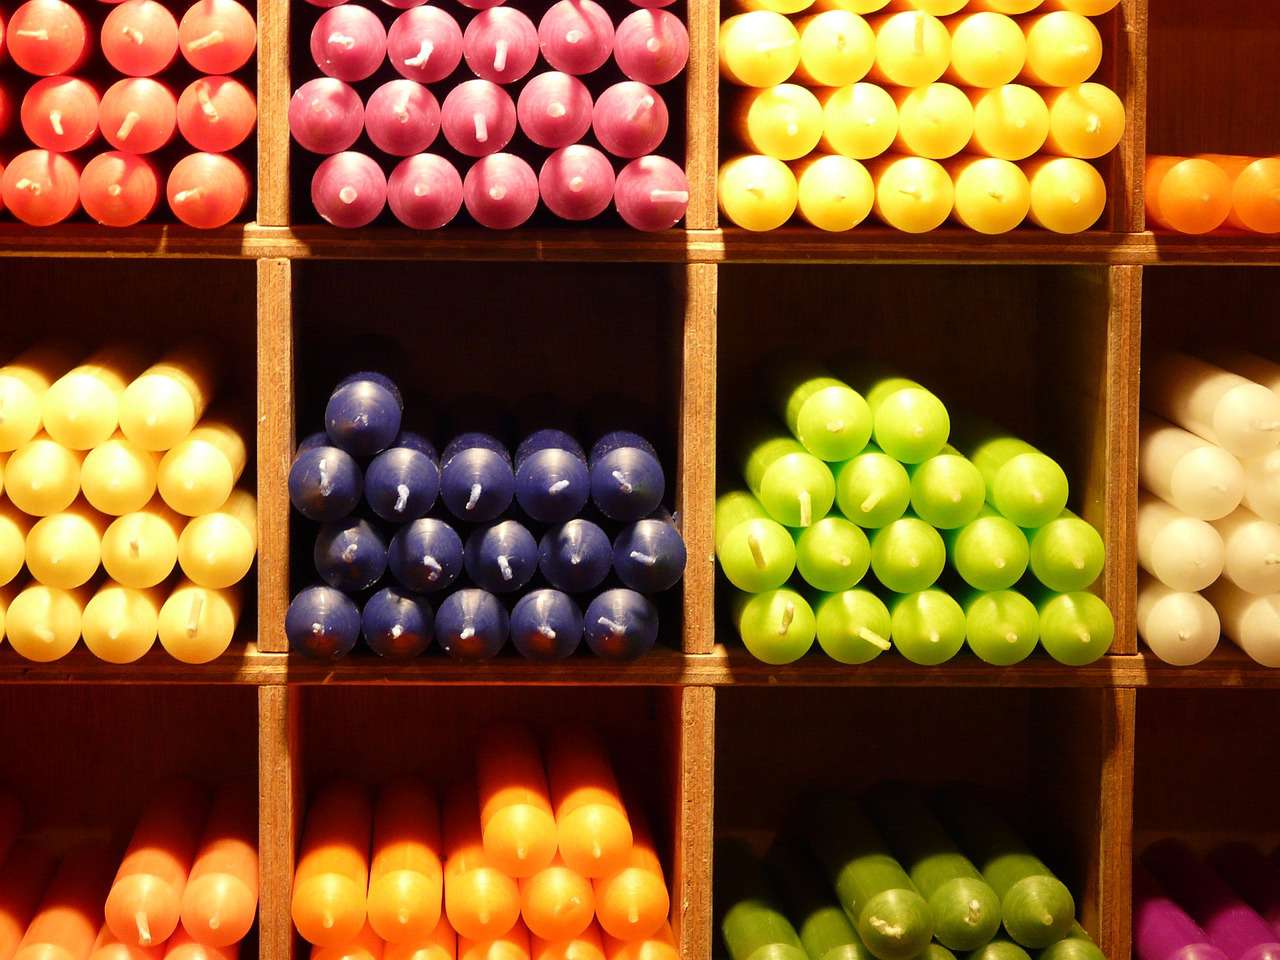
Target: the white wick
(402, 497)
(40, 34)
(556, 109)
(28, 184)
(500, 55)
(422, 56)
(467, 632)
(216, 36)
(577, 183)
(557, 487)
(613, 626)
(497, 192)
(474, 498)
(55, 121)
(326, 481)
(647, 559)
(482, 129)
(126, 126)
(504, 566)
(348, 194)
(133, 33)
(573, 36)
(182, 196)
(206, 104)
(342, 40)
(623, 483)
(653, 44)
(671, 196)
(114, 190)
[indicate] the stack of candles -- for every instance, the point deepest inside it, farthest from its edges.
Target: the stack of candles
(185, 889)
(478, 118)
(523, 860)
(980, 116)
(371, 486)
(896, 877)
(1201, 193)
(118, 183)
(990, 508)
(1209, 511)
(112, 463)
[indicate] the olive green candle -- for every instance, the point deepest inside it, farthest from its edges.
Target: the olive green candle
(1001, 626)
(1066, 553)
(825, 929)
(999, 950)
(755, 552)
(872, 489)
(1075, 628)
(1075, 946)
(947, 490)
(752, 923)
(833, 554)
(853, 626)
(928, 626)
(777, 626)
(989, 553)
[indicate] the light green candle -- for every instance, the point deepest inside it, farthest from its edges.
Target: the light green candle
(907, 555)
(793, 485)
(1075, 946)
(989, 553)
(1066, 553)
(872, 489)
(1022, 483)
(777, 626)
(928, 627)
(828, 417)
(1075, 628)
(911, 424)
(756, 552)
(825, 929)
(853, 626)
(947, 490)
(752, 923)
(833, 554)
(1001, 626)
(999, 950)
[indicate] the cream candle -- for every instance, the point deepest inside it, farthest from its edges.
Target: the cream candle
(853, 6)
(987, 49)
(1010, 7)
(64, 549)
(833, 192)
(1067, 195)
(138, 115)
(757, 192)
(1262, 485)
(837, 48)
(424, 191)
(1183, 552)
(140, 38)
(14, 525)
(207, 190)
(216, 114)
(1063, 49)
(60, 113)
(424, 44)
(196, 624)
(197, 475)
(40, 188)
(1009, 122)
(500, 45)
(935, 121)
(1222, 407)
(1085, 121)
(42, 476)
(1179, 627)
(119, 189)
(1186, 195)
(912, 48)
(478, 118)
(758, 49)
(651, 193)
(217, 549)
(913, 194)
(1251, 622)
(859, 121)
(1086, 8)
(1252, 551)
(783, 121)
(43, 623)
(81, 409)
(1248, 365)
(119, 623)
(218, 36)
(992, 196)
(140, 549)
(162, 406)
(23, 382)
(1199, 478)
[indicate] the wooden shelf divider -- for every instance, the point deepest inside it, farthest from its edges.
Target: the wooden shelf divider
(275, 448)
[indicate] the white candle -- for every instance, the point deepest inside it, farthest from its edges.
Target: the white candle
(1252, 551)
(1183, 552)
(1250, 366)
(1220, 406)
(1252, 622)
(1262, 485)
(1200, 479)
(1179, 627)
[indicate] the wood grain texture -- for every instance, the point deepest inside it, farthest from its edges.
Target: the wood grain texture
(275, 448)
(274, 90)
(698, 456)
(1115, 832)
(694, 803)
(1131, 74)
(703, 99)
(1124, 341)
(280, 793)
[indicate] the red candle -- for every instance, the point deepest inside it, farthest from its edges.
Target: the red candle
(138, 115)
(630, 119)
(651, 46)
(217, 113)
(652, 193)
(500, 191)
(41, 188)
(554, 109)
(402, 118)
(349, 190)
(478, 118)
(576, 36)
(424, 191)
(576, 182)
(119, 189)
(326, 116)
(7, 110)
(47, 37)
(425, 44)
(500, 45)
(60, 113)
(207, 190)
(140, 38)
(217, 36)
(348, 43)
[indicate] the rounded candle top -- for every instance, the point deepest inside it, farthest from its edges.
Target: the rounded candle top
(500, 45)
(217, 36)
(140, 38)
(651, 46)
(217, 114)
(348, 43)
(326, 115)
(651, 193)
(208, 190)
(47, 37)
(424, 191)
(576, 36)
(425, 44)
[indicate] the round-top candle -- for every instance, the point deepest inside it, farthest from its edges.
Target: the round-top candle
(325, 483)
(1199, 478)
(207, 190)
(1255, 191)
(649, 555)
(1076, 945)
(575, 556)
(907, 555)
(500, 45)
(219, 36)
(332, 876)
(348, 43)
(1063, 49)
(402, 482)
(1067, 195)
(501, 557)
(928, 626)
(43, 623)
(517, 823)
(776, 626)
(755, 552)
(363, 413)
(119, 624)
(480, 900)
(23, 383)
(627, 481)
(1252, 551)
(440, 944)
(546, 625)
(554, 109)
(588, 945)
(872, 489)
(837, 48)
(424, 192)
(350, 555)
(140, 549)
(1251, 622)
(992, 195)
(593, 830)
(576, 183)
(1075, 628)
(576, 36)
(557, 904)
(425, 44)
(81, 409)
(64, 549)
(396, 624)
(832, 555)
(913, 194)
(1086, 8)
(858, 121)
(1250, 366)
(783, 121)
(1251, 874)
(1222, 407)
(43, 477)
(221, 896)
(40, 188)
(119, 189)
(478, 117)
(1066, 553)
(1187, 195)
(322, 623)
(325, 115)
(402, 118)
(833, 192)
(913, 48)
(911, 424)
(66, 923)
(406, 879)
(1262, 485)
(651, 193)
(633, 902)
(947, 491)
(1022, 483)
(349, 190)
(47, 38)
(987, 49)
(1161, 928)
(651, 46)
(620, 624)
(1179, 627)
(630, 119)
(1001, 627)
(853, 626)
(119, 477)
(1183, 552)
(758, 49)
(197, 476)
(476, 481)
(757, 192)
(934, 121)
(1085, 121)
(28, 867)
(512, 945)
(751, 921)
(216, 114)
(795, 487)
(500, 191)
(217, 549)
(138, 115)
(140, 38)
(163, 405)
(366, 945)
(14, 525)
(824, 928)
(1009, 122)
(60, 113)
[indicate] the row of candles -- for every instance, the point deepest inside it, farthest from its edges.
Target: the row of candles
(1202, 193)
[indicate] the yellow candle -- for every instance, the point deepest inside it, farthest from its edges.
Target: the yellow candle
(162, 405)
(198, 475)
(853, 6)
(1085, 121)
(43, 477)
(757, 192)
(23, 383)
(1186, 194)
(913, 194)
(833, 192)
(140, 549)
(858, 121)
(934, 121)
(119, 476)
(1067, 195)
(1255, 191)
(43, 623)
(1009, 7)
(912, 49)
(119, 624)
(82, 408)
(64, 549)
(1009, 122)
(758, 49)
(1086, 8)
(938, 8)
(987, 49)
(14, 525)
(837, 48)
(7, 593)
(783, 121)
(196, 624)
(992, 196)
(775, 6)
(1063, 49)
(217, 549)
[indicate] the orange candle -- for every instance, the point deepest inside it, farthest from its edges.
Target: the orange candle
(591, 820)
(109, 947)
(1255, 191)
(66, 924)
(1186, 195)
(10, 822)
(365, 946)
(406, 879)
(512, 945)
(138, 115)
(145, 901)
(182, 947)
(221, 897)
(26, 873)
(332, 877)
(119, 189)
(588, 945)
(440, 944)
(207, 190)
(660, 946)
(634, 902)
(480, 900)
(40, 188)
(516, 821)
(557, 903)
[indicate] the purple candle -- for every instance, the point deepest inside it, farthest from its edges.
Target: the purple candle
(1252, 876)
(630, 119)
(576, 36)
(651, 46)
(471, 625)
(627, 481)
(652, 193)
(425, 44)
(322, 623)
(575, 557)
(425, 556)
(402, 482)
(349, 190)
(501, 558)
(312, 440)
(395, 624)
(500, 44)
(363, 413)
(546, 625)
(478, 118)
(621, 625)
(576, 182)
(402, 118)
(1161, 929)
(500, 191)
(554, 110)
(476, 482)
(552, 483)
(326, 115)
(349, 43)
(350, 555)
(649, 555)
(325, 483)
(424, 192)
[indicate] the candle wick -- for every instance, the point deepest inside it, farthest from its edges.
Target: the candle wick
(793, 129)
(402, 110)
(433, 565)
(955, 496)
(1093, 124)
(757, 551)
(348, 194)
(466, 633)
(644, 104)
(546, 631)
(633, 915)
(1184, 635)
(500, 55)
(482, 129)
(873, 638)
(1084, 636)
(806, 508)
(133, 33)
(341, 40)
(193, 624)
(934, 637)
(844, 561)
(841, 41)
(558, 487)
(670, 196)
(216, 36)
(504, 567)
(350, 552)
(402, 497)
(1267, 426)
(55, 121)
(397, 631)
(215, 922)
(326, 481)
(420, 189)
(576, 184)
(135, 548)
(206, 104)
(1078, 563)
(573, 36)
(474, 498)
(788, 617)
(317, 628)
(918, 38)
(623, 483)
(1075, 199)
(1011, 636)
(40, 34)
(403, 916)
(126, 126)
(653, 44)
(1271, 560)
(869, 504)
(422, 56)
(497, 192)
(144, 931)
(912, 191)
(327, 920)
(999, 563)
(556, 109)
(647, 559)
(613, 626)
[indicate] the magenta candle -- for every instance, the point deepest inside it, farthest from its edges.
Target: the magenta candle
(402, 118)
(576, 36)
(576, 182)
(554, 109)
(47, 37)
(424, 191)
(1161, 929)
(41, 188)
(425, 44)
(119, 189)
(217, 36)
(60, 113)
(138, 115)
(348, 43)
(1252, 876)
(326, 115)
(500, 191)
(140, 38)
(651, 46)
(630, 119)
(349, 190)
(207, 190)
(652, 193)
(500, 45)
(478, 118)
(217, 114)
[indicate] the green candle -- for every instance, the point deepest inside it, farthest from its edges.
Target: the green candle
(828, 417)
(947, 490)
(833, 554)
(936, 951)
(872, 489)
(1075, 628)
(907, 555)
(755, 551)
(989, 553)
(1075, 946)
(853, 626)
(825, 929)
(1001, 626)
(777, 626)
(1022, 483)
(1066, 553)
(911, 424)
(751, 922)
(928, 626)
(999, 950)
(793, 485)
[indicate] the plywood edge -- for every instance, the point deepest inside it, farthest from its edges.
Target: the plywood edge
(273, 113)
(697, 461)
(1124, 338)
(275, 448)
(1115, 839)
(280, 793)
(1133, 146)
(703, 112)
(695, 813)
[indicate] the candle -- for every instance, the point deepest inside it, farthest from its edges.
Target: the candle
(349, 190)
(928, 626)
(987, 49)
(630, 119)
(478, 118)
(649, 555)
(60, 113)
(64, 549)
(1067, 195)
(859, 121)
(627, 481)
(651, 193)
(207, 190)
(396, 624)
(477, 483)
(1009, 7)
(872, 489)
(554, 109)
(1252, 551)
(217, 114)
(589, 945)
(755, 552)
(913, 194)
(471, 625)
(660, 946)
(363, 413)
(43, 623)
(784, 121)
(48, 38)
(595, 836)
(853, 626)
(500, 191)
(81, 409)
(66, 923)
(325, 115)
(1161, 929)
(934, 121)
(348, 43)
(424, 192)
(1001, 627)
(501, 557)
(516, 819)
(402, 118)
(350, 555)
(332, 876)
(911, 424)
(1250, 366)
(621, 624)
(196, 624)
(325, 483)
(837, 48)
(576, 183)
(118, 477)
(1075, 628)
(27, 869)
(140, 549)
(479, 899)
(1215, 404)
(165, 402)
(1255, 191)
(406, 879)
(322, 623)
(23, 383)
(546, 625)
(833, 192)
(795, 487)
(1251, 622)
(140, 38)
(992, 196)
(776, 626)
(576, 556)
(1179, 627)
(1199, 478)
(425, 555)
(757, 192)
(425, 44)
(913, 49)
(1009, 122)
(576, 36)
(138, 115)
(217, 549)
(366, 946)
(1262, 485)
(219, 36)
(1063, 49)
(500, 45)
(1186, 195)
(402, 482)
(556, 903)
(1252, 875)
(1086, 120)
(652, 46)
(1022, 483)
(1086, 8)
(43, 477)
(221, 896)
(751, 921)
(40, 188)
(824, 928)
(552, 482)
(512, 945)
(1184, 553)
(197, 476)
(947, 491)
(832, 555)
(119, 189)
(632, 903)
(1066, 553)
(758, 49)
(13, 536)
(440, 944)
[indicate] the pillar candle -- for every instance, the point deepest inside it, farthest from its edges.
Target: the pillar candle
(512, 945)
(81, 409)
(588, 945)
(987, 49)
(1199, 478)
(1186, 195)
(1086, 120)
(217, 549)
(350, 555)
(43, 623)
(325, 115)
(119, 189)
(1219, 406)
(652, 46)
(397, 625)
(1023, 484)
(633, 902)
(649, 555)
(14, 525)
(23, 383)
(911, 424)
(1075, 628)
(60, 113)
(872, 489)
(1063, 49)
(554, 109)
(425, 44)
(216, 114)
(757, 192)
(42, 477)
(837, 48)
(48, 38)
(751, 921)
(1086, 8)
(27, 869)
(477, 482)
(322, 623)
(138, 115)
(913, 194)
(776, 626)
(552, 482)
(621, 624)
(478, 117)
(1001, 627)
(424, 192)
(516, 818)
(1262, 485)
(207, 190)
(500, 191)
(853, 626)
(221, 895)
(402, 482)
(140, 549)
(196, 624)
(1067, 195)
(627, 481)
(993, 196)
(218, 36)
(65, 924)
(348, 43)
(500, 45)
(366, 945)
(576, 183)
(795, 487)
(40, 188)
(501, 557)
(1251, 875)
(859, 121)
(1009, 122)
(630, 119)
(349, 190)
(758, 49)
(913, 48)
(1184, 553)
(833, 193)
(1179, 627)
(472, 625)
(934, 121)
(1251, 545)
(755, 552)
(163, 405)
(1255, 191)
(480, 900)
(947, 491)
(406, 879)
(1161, 928)
(140, 38)
(363, 413)
(576, 36)
(546, 625)
(64, 549)
(907, 555)
(332, 876)
(593, 829)
(402, 118)
(425, 555)
(651, 193)
(440, 944)
(197, 476)
(1066, 553)
(784, 121)
(1251, 622)
(928, 626)
(1250, 366)
(557, 904)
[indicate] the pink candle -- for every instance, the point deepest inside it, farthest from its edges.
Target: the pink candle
(119, 189)
(348, 43)
(481, 4)
(630, 119)
(140, 38)
(47, 37)
(316, 3)
(404, 4)
(1162, 930)
(349, 190)
(500, 191)
(217, 36)
(554, 109)
(138, 115)
(217, 114)
(478, 118)
(652, 193)
(326, 116)
(425, 44)
(651, 46)
(60, 113)
(576, 182)
(500, 45)
(651, 4)
(576, 36)
(402, 118)
(41, 188)
(424, 192)
(207, 190)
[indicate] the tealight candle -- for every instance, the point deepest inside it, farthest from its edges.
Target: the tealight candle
(1179, 627)
(1251, 622)
(859, 121)
(217, 549)
(1255, 191)
(1222, 407)
(40, 188)
(140, 549)
(630, 119)
(992, 196)
(546, 625)
(1186, 195)
(633, 902)
(67, 920)
(758, 49)
(216, 114)
(1085, 121)
(1063, 49)
(81, 409)
(478, 118)
(1001, 627)
(500, 45)
(396, 625)
(934, 121)
(652, 46)
(23, 382)
(576, 36)
(42, 477)
(1067, 553)
(833, 193)
(1252, 551)
(14, 525)
(424, 191)
(651, 193)
(348, 43)
(119, 189)
(987, 49)
(1198, 477)
(557, 903)
(832, 555)
(47, 38)
(221, 896)
(119, 624)
(755, 552)
(28, 868)
(627, 481)
(837, 48)
(621, 624)
(138, 115)
(872, 489)
(350, 555)
(853, 626)
(349, 190)
(1009, 122)
(140, 38)
(64, 549)
(913, 194)
(425, 44)
(207, 190)
(406, 878)
(757, 192)
(332, 877)
(197, 476)
(1022, 483)
(576, 556)
(913, 48)
(500, 191)
(60, 113)
(472, 625)
(907, 555)
(402, 118)
(321, 623)
(554, 109)
(325, 115)
(783, 121)
(1067, 195)
(43, 623)
(576, 183)
(426, 555)
(480, 900)
(1184, 553)
(162, 406)
(776, 626)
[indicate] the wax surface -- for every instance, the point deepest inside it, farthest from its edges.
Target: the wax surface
(557, 904)
(1198, 477)
(755, 552)
(913, 49)
(67, 921)
(992, 196)
(872, 489)
(500, 45)
(424, 192)
(479, 899)
(651, 46)
(651, 193)
(593, 830)
(1186, 195)
(424, 44)
(752, 921)
(1001, 627)
(853, 626)
(217, 36)
(216, 114)
(1215, 404)
(221, 896)
(776, 626)
(759, 48)
(987, 49)
(633, 902)
(119, 624)
(406, 879)
(28, 866)
(140, 38)
(784, 121)
(1085, 121)
(47, 38)
(576, 36)
(554, 109)
(1182, 552)
(42, 477)
(322, 622)
(859, 121)
(934, 121)
(332, 875)
(576, 183)
(119, 189)
(349, 190)
(1181, 628)
(217, 549)
(326, 115)
(348, 43)
(833, 192)
(517, 821)
(913, 194)
(208, 190)
(1009, 122)
(60, 113)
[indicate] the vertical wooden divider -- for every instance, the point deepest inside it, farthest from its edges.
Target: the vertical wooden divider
(1124, 338)
(1116, 824)
(693, 817)
(273, 113)
(1130, 171)
(275, 448)
(698, 455)
(703, 114)
(280, 804)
